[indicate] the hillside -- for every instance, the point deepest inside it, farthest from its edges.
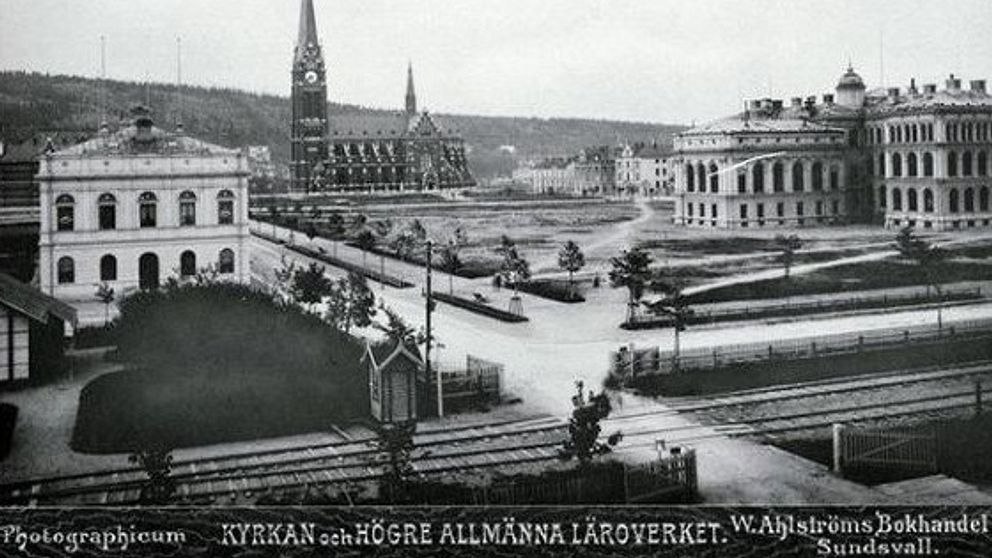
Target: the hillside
(31, 102)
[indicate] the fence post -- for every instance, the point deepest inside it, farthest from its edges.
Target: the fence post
(838, 432)
(978, 397)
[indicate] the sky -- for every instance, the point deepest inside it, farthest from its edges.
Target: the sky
(662, 61)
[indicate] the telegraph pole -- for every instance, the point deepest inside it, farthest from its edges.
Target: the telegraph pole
(430, 337)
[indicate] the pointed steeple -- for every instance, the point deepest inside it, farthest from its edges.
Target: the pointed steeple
(308, 25)
(411, 97)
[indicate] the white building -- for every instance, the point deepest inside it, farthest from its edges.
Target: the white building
(642, 170)
(134, 207)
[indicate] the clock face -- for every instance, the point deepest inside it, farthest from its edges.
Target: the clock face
(310, 76)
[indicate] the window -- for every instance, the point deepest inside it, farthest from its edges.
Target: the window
(108, 212)
(952, 163)
(226, 261)
(896, 199)
(797, 177)
(701, 177)
(819, 208)
(702, 210)
(882, 197)
(969, 200)
(983, 199)
(834, 179)
(780, 209)
(928, 200)
(108, 268)
(778, 177)
(688, 207)
(835, 207)
(896, 164)
(758, 177)
(741, 183)
(966, 164)
(187, 209)
(911, 201)
(881, 164)
(714, 179)
(690, 179)
(65, 213)
(927, 164)
(225, 207)
(952, 201)
(800, 210)
(66, 270)
(983, 164)
(743, 211)
(187, 263)
(761, 210)
(911, 169)
(713, 211)
(147, 209)
(817, 176)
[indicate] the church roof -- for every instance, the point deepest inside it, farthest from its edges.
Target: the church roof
(373, 124)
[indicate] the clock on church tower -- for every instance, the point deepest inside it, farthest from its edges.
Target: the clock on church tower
(309, 104)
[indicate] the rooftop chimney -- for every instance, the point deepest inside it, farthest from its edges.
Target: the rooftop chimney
(978, 85)
(953, 83)
(930, 88)
(912, 87)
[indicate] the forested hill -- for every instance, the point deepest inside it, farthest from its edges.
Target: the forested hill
(31, 102)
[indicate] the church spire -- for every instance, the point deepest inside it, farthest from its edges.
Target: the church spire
(308, 25)
(411, 97)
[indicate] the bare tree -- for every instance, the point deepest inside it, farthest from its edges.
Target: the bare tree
(631, 270)
(571, 259)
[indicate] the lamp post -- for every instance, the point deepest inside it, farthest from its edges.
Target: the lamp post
(429, 336)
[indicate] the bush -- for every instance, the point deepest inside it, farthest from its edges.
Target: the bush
(552, 289)
(8, 419)
(219, 363)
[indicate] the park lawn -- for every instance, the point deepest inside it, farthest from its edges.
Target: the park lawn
(123, 411)
(855, 277)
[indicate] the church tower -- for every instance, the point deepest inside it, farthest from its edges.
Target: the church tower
(411, 97)
(309, 100)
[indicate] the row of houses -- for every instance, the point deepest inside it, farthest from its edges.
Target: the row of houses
(639, 169)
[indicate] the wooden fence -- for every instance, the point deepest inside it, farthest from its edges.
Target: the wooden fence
(761, 311)
(670, 479)
(788, 349)
(480, 381)
(899, 451)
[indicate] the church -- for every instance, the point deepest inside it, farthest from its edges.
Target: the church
(370, 151)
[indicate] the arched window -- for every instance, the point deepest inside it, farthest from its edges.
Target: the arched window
(66, 270)
(778, 177)
(983, 199)
(65, 213)
(896, 164)
(952, 163)
(797, 177)
(952, 200)
(701, 177)
(911, 201)
(834, 178)
(817, 176)
(147, 210)
(927, 164)
(108, 268)
(966, 163)
(187, 209)
(928, 200)
(226, 263)
(969, 200)
(187, 263)
(896, 199)
(108, 212)
(758, 177)
(911, 166)
(714, 178)
(983, 164)
(741, 182)
(690, 179)
(225, 207)
(882, 197)
(881, 164)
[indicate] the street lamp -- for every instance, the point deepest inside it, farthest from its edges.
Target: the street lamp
(429, 337)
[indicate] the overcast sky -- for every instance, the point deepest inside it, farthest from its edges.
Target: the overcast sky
(659, 60)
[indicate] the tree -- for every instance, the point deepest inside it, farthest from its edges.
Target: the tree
(513, 267)
(361, 301)
(398, 328)
(418, 231)
(584, 429)
(310, 285)
(365, 241)
(929, 258)
(571, 259)
(382, 229)
(311, 231)
(788, 246)
(675, 306)
(156, 461)
(395, 446)
(450, 263)
(403, 245)
(105, 294)
(631, 270)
